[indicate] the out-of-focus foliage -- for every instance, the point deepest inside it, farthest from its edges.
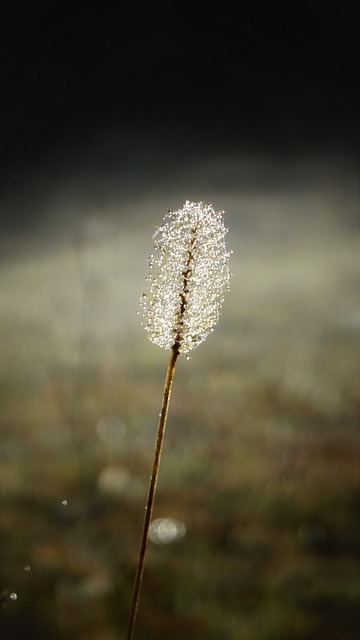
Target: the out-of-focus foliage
(256, 532)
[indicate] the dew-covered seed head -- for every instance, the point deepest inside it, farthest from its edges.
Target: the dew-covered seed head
(188, 275)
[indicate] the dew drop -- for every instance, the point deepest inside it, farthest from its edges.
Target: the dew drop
(13, 596)
(166, 531)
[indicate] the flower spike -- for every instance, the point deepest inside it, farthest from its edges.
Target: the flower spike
(188, 277)
(187, 280)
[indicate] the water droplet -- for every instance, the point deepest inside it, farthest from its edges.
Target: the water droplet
(166, 531)
(27, 568)
(13, 596)
(64, 502)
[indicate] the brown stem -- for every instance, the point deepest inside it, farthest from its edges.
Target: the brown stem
(151, 493)
(183, 301)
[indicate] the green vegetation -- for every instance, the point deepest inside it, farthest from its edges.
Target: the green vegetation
(261, 455)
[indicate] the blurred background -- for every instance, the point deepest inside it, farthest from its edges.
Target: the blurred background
(110, 115)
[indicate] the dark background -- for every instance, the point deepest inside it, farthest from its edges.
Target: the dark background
(134, 90)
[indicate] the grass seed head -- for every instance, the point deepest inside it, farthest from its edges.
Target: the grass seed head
(188, 275)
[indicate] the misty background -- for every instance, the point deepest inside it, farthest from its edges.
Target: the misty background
(109, 115)
(104, 106)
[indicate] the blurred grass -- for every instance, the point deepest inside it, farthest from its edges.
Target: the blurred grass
(261, 455)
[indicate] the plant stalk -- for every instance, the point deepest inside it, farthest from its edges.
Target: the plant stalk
(151, 492)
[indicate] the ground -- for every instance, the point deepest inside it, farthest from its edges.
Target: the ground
(259, 479)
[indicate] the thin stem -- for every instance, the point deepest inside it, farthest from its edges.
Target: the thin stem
(152, 488)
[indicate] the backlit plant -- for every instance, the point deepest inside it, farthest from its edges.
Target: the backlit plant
(188, 276)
